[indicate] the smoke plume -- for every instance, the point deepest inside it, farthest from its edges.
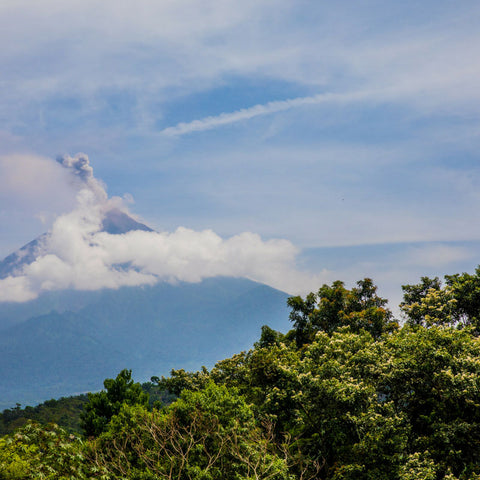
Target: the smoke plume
(79, 166)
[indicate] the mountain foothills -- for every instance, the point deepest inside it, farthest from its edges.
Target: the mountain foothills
(347, 393)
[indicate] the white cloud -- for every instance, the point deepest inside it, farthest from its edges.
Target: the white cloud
(77, 254)
(33, 190)
(32, 178)
(16, 289)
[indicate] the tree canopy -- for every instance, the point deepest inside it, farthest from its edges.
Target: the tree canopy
(347, 394)
(102, 406)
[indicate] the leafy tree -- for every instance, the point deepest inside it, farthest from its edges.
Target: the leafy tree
(103, 405)
(208, 434)
(358, 408)
(457, 303)
(269, 337)
(43, 452)
(466, 292)
(180, 380)
(335, 306)
(301, 316)
(65, 412)
(335, 399)
(432, 375)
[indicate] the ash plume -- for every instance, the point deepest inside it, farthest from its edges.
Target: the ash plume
(79, 166)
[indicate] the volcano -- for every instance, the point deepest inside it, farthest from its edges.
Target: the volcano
(68, 341)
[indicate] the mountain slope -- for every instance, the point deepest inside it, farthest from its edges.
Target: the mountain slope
(149, 329)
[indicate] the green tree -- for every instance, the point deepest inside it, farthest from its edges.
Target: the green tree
(432, 375)
(180, 380)
(335, 306)
(205, 435)
(466, 292)
(361, 408)
(457, 303)
(103, 405)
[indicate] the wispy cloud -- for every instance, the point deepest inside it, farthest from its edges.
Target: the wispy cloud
(226, 118)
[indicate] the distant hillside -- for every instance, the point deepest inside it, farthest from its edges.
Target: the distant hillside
(66, 410)
(61, 351)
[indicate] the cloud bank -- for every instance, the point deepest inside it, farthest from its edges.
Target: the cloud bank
(78, 254)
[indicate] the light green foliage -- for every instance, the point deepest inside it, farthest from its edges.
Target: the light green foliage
(457, 303)
(340, 421)
(43, 452)
(429, 304)
(205, 435)
(180, 380)
(103, 405)
(433, 375)
(418, 467)
(413, 295)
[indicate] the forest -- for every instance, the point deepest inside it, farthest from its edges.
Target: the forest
(348, 393)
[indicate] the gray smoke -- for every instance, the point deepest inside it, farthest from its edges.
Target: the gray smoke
(79, 166)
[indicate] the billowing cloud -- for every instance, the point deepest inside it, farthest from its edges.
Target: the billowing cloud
(77, 253)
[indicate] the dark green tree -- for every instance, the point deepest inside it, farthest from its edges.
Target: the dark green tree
(269, 337)
(466, 292)
(301, 316)
(103, 405)
(335, 306)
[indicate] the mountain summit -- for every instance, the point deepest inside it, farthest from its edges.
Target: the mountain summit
(114, 222)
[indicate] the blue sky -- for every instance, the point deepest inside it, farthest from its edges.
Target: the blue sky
(350, 128)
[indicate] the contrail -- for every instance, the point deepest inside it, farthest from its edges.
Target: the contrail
(209, 123)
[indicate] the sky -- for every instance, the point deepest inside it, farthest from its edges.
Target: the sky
(324, 140)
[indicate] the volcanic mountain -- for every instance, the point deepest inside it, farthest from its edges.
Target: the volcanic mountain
(68, 341)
